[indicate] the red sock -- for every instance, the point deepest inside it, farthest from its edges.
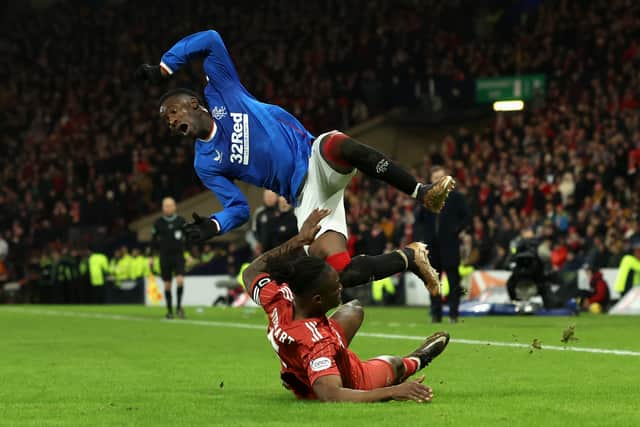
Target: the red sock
(339, 261)
(410, 367)
(331, 148)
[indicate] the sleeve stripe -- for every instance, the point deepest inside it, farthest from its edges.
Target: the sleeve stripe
(316, 336)
(166, 68)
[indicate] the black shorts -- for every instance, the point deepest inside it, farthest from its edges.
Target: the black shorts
(170, 266)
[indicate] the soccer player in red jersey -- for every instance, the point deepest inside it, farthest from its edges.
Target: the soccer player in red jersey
(296, 291)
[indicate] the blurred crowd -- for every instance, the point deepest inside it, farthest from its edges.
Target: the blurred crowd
(565, 172)
(81, 148)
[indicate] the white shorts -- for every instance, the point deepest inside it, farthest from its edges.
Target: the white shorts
(324, 188)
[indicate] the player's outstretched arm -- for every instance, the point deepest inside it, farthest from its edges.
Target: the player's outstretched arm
(329, 388)
(198, 45)
(292, 247)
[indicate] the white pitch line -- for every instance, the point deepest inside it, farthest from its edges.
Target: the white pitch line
(509, 344)
(263, 328)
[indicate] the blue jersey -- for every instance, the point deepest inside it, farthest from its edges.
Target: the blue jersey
(251, 141)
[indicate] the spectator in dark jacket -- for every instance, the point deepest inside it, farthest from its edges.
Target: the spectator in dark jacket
(262, 217)
(281, 226)
(441, 233)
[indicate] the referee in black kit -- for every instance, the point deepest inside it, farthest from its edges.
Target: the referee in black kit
(168, 241)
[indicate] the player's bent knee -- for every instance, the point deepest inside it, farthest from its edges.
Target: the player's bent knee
(350, 317)
(355, 309)
(351, 312)
(332, 152)
(355, 303)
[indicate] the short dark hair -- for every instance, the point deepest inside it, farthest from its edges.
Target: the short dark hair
(180, 91)
(302, 274)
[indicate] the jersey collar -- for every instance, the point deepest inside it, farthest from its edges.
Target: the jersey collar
(214, 129)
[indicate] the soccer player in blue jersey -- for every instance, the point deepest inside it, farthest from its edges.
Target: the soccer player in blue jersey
(241, 138)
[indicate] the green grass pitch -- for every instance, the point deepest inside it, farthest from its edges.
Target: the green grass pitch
(124, 365)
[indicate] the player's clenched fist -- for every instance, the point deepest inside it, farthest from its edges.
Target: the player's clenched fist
(201, 229)
(147, 72)
(311, 225)
(413, 390)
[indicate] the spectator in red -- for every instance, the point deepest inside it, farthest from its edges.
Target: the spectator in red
(599, 290)
(559, 255)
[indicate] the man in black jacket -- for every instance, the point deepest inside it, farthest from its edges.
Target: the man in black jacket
(261, 219)
(280, 227)
(441, 233)
(168, 241)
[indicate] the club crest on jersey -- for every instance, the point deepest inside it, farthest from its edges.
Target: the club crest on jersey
(219, 112)
(382, 166)
(240, 139)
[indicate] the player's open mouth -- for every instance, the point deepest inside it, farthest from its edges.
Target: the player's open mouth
(183, 128)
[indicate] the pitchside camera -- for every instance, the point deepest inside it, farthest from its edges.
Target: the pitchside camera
(527, 277)
(531, 278)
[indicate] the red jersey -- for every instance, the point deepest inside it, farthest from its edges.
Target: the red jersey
(308, 348)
